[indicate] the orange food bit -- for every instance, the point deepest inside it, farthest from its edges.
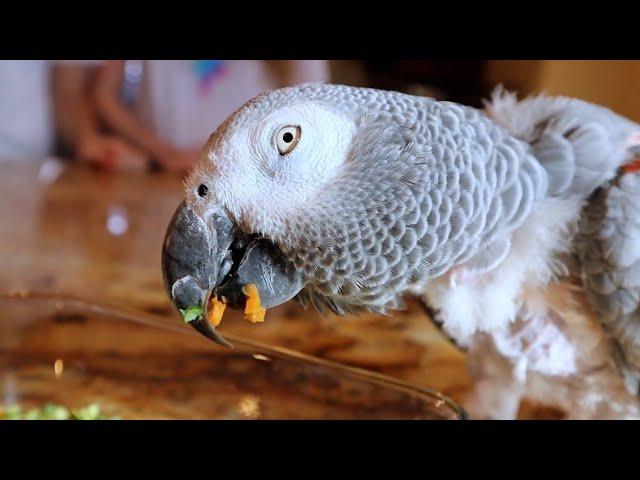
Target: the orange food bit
(216, 312)
(253, 310)
(634, 166)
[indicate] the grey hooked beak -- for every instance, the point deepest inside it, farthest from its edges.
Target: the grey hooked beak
(204, 257)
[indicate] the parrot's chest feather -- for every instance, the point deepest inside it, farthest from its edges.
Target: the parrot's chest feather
(538, 343)
(486, 293)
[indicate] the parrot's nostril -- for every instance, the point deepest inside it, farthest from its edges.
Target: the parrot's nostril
(203, 190)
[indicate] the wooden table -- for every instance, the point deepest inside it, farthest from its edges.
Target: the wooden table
(98, 236)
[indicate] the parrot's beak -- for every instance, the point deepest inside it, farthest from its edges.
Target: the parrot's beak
(205, 257)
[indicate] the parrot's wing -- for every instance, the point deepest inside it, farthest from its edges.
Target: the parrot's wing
(608, 245)
(578, 157)
(581, 145)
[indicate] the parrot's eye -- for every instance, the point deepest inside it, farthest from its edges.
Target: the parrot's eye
(287, 139)
(202, 190)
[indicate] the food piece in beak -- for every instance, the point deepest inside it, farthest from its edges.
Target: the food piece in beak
(191, 313)
(194, 257)
(194, 315)
(253, 310)
(216, 312)
(275, 280)
(209, 257)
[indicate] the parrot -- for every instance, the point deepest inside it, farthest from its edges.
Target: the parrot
(351, 199)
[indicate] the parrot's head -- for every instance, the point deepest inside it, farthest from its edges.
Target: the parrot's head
(288, 195)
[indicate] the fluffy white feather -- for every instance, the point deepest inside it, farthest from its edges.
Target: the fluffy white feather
(490, 301)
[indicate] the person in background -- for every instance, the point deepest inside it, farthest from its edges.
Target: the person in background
(78, 126)
(45, 109)
(179, 103)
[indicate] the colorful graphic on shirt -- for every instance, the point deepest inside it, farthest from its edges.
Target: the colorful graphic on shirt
(207, 71)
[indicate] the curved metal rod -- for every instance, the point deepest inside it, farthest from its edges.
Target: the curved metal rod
(152, 320)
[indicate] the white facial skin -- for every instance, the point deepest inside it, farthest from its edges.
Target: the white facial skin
(257, 185)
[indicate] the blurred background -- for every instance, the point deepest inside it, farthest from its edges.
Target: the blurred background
(157, 114)
(92, 156)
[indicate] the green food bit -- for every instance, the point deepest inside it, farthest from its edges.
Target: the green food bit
(11, 413)
(191, 313)
(54, 412)
(91, 412)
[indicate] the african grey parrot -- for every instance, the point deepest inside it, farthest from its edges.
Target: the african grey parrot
(350, 198)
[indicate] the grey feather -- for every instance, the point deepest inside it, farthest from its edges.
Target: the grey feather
(608, 245)
(559, 161)
(580, 145)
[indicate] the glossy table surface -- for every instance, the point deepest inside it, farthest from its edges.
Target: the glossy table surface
(98, 236)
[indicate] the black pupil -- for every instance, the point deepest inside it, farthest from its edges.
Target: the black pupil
(288, 137)
(202, 190)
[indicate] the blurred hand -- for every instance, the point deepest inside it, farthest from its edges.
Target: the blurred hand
(110, 153)
(180, 161)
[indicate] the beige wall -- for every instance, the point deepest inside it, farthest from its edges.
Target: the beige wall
(612, 83)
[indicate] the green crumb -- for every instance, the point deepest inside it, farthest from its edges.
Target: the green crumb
(191, 313)
(54, 412)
